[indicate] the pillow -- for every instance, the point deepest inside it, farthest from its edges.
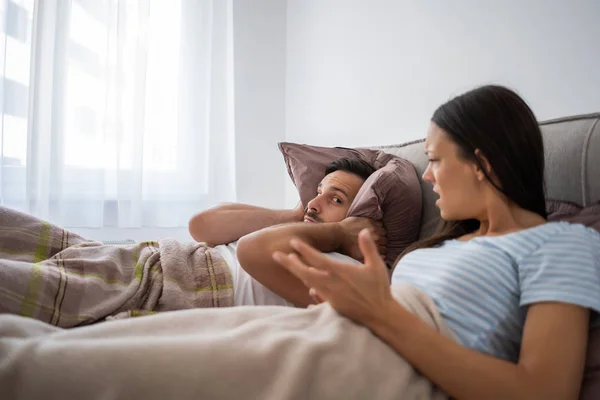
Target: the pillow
(559, 210)
(590, 217)
(392, 194)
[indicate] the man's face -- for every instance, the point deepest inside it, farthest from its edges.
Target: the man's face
(335, 193)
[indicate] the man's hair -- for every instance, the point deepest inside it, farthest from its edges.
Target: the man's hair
(351, 165)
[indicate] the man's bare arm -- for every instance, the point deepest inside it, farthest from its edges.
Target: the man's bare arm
(227, 223)
(255, 251)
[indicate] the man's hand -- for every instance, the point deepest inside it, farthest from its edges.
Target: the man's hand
(298, 212)
(351, 227)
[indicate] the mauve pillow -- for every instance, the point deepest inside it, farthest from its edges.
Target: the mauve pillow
(392, 194)
(588, 216)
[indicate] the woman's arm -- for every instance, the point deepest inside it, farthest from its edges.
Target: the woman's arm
(550, 366)
(552, 352)
(228, 222)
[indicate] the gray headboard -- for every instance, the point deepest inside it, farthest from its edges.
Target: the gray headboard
(572, 146)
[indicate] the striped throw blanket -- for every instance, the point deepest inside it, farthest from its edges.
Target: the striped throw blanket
(57, 277)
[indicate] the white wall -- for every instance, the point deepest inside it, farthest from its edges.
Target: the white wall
(366, 72)
(259, 58)
(259, 81)
(372, 72)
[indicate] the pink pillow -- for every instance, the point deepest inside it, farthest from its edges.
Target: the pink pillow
(590, 217)
(392, 194)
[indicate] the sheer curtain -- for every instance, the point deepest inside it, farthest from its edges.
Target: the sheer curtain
(116, 113)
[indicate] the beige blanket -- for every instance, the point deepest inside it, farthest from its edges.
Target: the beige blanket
(230, 353)
(55, 276)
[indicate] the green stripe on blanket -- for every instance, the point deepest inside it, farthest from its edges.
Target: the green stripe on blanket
(61, 278)
(36, 279)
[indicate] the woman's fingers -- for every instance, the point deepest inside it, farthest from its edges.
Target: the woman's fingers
(315, 295)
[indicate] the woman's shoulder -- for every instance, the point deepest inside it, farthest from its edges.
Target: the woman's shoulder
(546, 237)
(553, 231)
(563, 229)
(565, 236)
(549, 231)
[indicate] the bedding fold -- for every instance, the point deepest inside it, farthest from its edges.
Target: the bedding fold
(229, 353)
(52, 275)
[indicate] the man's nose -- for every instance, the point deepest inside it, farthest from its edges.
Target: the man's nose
(314, 205)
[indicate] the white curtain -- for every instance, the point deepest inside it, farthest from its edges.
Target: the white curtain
(116, 113)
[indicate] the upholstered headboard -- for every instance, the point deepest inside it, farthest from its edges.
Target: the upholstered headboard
(572, 147)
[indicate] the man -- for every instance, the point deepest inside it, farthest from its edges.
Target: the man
(257, 278)
(63, 279)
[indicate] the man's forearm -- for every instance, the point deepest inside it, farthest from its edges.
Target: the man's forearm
(229, 222)
(255, 252)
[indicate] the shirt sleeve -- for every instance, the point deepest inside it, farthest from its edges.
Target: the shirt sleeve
(566, 268)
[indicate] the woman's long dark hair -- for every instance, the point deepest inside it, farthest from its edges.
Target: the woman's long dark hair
(501, 125)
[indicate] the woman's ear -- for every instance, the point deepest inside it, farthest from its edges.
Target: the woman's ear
(483, 163)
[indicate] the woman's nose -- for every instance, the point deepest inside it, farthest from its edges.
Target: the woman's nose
(427, 175)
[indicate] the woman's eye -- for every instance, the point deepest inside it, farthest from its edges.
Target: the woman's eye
(337, 200)
(432, 160)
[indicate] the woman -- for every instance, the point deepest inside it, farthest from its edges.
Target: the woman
(516, 290)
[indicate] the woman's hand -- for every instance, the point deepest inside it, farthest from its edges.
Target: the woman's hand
(359, 292)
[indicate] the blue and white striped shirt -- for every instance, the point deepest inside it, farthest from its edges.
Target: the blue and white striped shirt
(481, 286)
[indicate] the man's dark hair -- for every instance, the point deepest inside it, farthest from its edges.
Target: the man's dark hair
(351, 165)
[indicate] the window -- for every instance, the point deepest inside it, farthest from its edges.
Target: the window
(108, 113)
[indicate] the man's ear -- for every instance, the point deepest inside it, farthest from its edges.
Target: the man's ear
(484, 162)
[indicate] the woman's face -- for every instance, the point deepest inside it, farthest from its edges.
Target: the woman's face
(457, 181)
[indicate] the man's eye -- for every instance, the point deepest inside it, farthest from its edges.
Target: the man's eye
(432, 160)
(338, 200)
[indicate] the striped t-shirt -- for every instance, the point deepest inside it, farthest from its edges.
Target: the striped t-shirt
(482, 285)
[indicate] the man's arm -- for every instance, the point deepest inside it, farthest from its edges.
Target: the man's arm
(255, 251)
(227, 223)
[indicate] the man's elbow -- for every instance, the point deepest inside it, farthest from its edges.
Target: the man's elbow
(247, 252)
(195, 227)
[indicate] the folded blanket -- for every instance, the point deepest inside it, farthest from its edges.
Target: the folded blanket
(53, 275)
(229, 353)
